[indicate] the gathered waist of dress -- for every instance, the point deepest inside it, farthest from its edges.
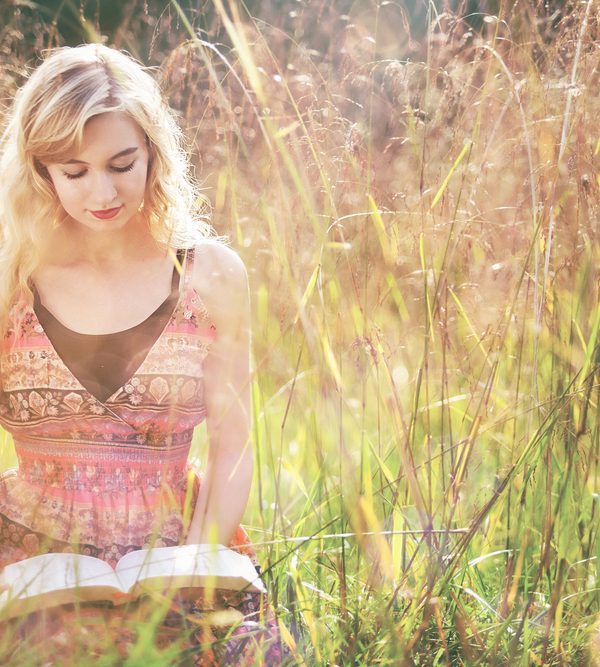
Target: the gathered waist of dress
(108, 469)
(91, 478)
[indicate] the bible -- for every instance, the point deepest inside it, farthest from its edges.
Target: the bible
(62, 578)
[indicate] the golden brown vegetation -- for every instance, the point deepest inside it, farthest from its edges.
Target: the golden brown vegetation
(419, 214)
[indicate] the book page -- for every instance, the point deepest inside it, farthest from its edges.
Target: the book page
(52, 579)
(190, 565)
(50, 572)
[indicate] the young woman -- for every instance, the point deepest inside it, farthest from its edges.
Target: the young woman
(124, 325)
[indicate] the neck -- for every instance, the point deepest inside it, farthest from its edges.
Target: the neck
(102, 249)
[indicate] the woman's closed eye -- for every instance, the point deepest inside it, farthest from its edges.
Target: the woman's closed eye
(122, 170)
(118, 170)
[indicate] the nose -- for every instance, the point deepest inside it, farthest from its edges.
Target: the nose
(104, 192)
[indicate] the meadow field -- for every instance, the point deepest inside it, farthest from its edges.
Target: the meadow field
(414, 189)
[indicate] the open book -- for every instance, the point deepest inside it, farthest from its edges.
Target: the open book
(60, 578)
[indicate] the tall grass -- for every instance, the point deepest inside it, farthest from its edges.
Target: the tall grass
(419, 216)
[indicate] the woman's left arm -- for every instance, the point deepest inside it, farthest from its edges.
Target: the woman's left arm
(228, 475)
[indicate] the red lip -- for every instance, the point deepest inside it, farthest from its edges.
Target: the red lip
(107, 213)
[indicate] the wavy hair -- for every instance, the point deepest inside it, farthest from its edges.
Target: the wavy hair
(46, 124)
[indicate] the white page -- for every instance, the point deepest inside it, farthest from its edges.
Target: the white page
(191, 560)
(50, 572)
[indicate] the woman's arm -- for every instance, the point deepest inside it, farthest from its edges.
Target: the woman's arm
(222, 282)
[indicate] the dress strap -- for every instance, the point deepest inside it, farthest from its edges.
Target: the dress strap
(187, 267)
(193, 305)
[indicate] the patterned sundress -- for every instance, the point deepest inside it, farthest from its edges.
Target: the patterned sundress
(106, 478)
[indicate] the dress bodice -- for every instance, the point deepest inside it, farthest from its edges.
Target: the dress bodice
(102, 473)
(103, 362)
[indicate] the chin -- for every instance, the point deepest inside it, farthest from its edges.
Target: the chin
(93, 224)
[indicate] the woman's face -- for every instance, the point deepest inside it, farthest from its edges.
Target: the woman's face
(102, 187)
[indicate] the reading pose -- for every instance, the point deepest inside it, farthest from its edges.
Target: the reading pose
(124, 325)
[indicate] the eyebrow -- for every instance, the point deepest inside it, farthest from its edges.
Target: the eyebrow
(127, 151)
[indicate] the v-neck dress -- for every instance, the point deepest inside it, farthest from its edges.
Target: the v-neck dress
(103, 362)
(104, 478)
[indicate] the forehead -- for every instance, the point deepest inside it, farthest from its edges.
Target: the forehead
(106, 135)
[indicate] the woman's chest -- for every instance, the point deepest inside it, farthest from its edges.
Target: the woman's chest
(95, 302)
(37, 387)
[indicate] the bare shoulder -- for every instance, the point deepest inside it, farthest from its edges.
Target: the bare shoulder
(221, 280)
(218, 267)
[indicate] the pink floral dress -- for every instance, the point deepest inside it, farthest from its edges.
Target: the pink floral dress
(105, 478)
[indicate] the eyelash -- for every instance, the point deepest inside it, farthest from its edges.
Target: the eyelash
(118, 170)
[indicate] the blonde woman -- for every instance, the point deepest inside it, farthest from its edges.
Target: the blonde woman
(124, 325)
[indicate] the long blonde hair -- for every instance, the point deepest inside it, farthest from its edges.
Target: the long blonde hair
(46, 124)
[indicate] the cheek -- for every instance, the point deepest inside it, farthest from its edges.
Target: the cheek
(64, 192)
(142, 180)
(138, 184)
(65, 195)
(61, 193)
